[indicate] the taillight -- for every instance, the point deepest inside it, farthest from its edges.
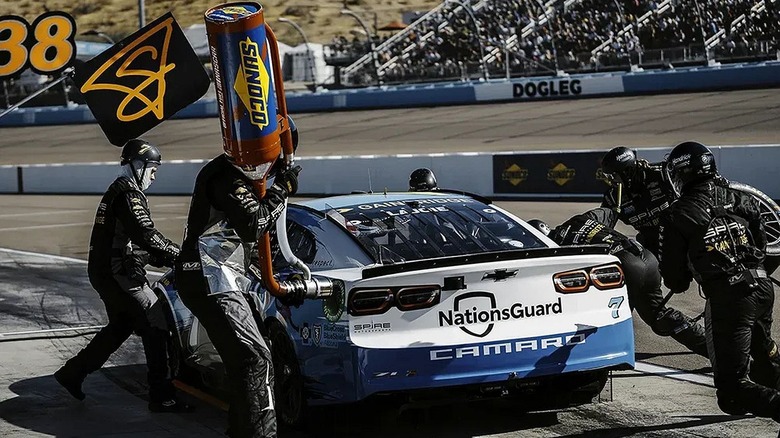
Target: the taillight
(607, 277)
(602, 277)
(422, 297)
(370, 301)
(571, 281)
(375, 301)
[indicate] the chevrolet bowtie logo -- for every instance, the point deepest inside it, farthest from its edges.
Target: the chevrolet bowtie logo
(499, 274)
(151, 89)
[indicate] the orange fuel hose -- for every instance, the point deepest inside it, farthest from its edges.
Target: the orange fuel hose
(264, 242)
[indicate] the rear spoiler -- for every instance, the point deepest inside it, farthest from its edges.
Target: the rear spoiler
(475, 196)
(516, 254)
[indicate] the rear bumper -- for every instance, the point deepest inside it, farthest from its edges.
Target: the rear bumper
(400, 370)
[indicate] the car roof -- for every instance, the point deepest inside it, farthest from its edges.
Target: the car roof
(335, 202)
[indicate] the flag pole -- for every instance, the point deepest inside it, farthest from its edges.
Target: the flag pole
(65, 74)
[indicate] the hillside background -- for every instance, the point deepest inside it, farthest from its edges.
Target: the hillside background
(320, 20)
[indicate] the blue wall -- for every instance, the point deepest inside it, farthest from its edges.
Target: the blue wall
(765, 74)
(703, 78)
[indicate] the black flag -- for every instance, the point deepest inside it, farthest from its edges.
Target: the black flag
(142, 80)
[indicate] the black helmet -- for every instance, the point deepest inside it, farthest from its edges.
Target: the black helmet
(143, 158)
(540, 225)
(140, 150)
(422, 180)
(690, 161)
(619, 163)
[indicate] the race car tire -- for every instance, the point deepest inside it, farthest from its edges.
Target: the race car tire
(176, 354)
(289, 399)
(770, 215)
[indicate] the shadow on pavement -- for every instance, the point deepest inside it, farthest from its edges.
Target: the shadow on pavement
(42, 406)
(645, 356)
(116, 406)
(456, 420)
(618, 432)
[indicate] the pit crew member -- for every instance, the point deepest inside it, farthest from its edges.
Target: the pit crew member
(714, 234)
(226, 218)
(422, 180)
(123, 241)
(640, 267)
(638, 194)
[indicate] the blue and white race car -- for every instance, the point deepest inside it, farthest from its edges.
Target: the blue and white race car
(434, 292)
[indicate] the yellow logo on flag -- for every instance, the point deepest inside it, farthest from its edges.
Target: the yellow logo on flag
(153, 79)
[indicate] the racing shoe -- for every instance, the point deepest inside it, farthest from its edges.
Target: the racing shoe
(71, 382)
(171, 405)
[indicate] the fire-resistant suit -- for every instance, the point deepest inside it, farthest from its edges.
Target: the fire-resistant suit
(225, 219)
(643, 279)
(725, 257)
(643, 198)
(123, 241)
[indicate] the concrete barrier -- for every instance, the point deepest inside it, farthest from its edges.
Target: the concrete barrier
(519, 175)
(68, 178)
(175, 177)
(754, 165)
(551, 88)
(9, 181)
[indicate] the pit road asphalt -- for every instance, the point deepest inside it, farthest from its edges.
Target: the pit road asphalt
(720, 118)
(39, 292)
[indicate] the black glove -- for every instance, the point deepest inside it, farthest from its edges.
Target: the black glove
(629, 245)
(142, 257)
(633, 247)
(679, 290)
(277, 168)
(680, 286)
(167, 260)
(287, 180)
(162, 262)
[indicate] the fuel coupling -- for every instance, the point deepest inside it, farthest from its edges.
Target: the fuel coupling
(314, 288)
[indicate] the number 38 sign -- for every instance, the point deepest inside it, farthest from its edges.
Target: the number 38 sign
(46, 46)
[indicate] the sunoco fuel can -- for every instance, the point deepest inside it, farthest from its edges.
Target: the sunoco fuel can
(243, 77)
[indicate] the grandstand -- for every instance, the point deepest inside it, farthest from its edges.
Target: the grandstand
(468, 39)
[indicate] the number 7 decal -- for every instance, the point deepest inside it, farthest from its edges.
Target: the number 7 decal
(614, 304)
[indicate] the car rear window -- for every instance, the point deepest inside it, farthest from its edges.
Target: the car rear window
(321, 244)
(400, 231)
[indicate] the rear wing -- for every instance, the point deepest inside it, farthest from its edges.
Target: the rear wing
(418, 265)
